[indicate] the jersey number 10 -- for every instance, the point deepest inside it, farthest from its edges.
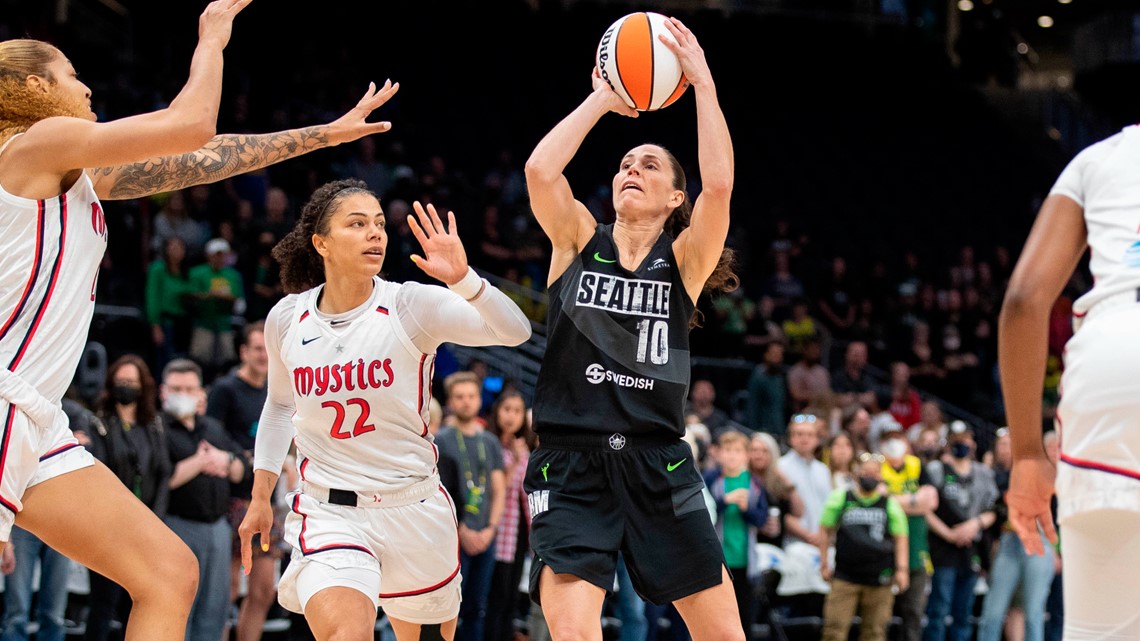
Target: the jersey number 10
(653, 337)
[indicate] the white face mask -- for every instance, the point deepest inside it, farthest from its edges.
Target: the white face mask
(894, 448)
(180, 405)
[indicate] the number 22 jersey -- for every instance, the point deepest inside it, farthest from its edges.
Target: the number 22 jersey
(617, 353)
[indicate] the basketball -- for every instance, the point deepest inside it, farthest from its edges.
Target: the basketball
(637, 65)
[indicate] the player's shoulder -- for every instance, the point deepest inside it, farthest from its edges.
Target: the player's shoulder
(1102, 148)
(287, 312)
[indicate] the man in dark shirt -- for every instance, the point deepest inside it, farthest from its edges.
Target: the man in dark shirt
(235, 401)
(206, 460)
(853, 384)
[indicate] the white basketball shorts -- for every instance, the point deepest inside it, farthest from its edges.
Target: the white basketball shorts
(29, 455)
(400, 549)
(1100, 406)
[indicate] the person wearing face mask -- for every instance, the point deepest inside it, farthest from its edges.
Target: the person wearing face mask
(871, 559)
(206, 460)
(130, 440)
(966, 496)
(907, 482)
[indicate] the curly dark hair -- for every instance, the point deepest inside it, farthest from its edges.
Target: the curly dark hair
(302, 268)
(723, 278)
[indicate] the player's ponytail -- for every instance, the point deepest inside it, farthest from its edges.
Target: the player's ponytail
(302, 268)
(723, 278)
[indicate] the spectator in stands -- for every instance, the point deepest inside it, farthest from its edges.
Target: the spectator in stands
(837, 301)
(167, 285)
(762, 329)
(779, 491)
(130, 440)
(881, 419)
(174, 221)
(702, 398)
(509, 423)
(768, 392)
(961, 366)
(856, 421)
(782, 286)
(929, 446)
(907, 483)
(811, 478)
(367, 166)
(264, 278)
(483, 487)
(840, 455)
(278, 219)
(871, 555)
(800, 329)
(808, 379)
(925, 362)
(852, 383)
(906, 405)
(1014, 570)
(742, 510)
(215, 289)
(966, 495)
(235, 401)
(733, 312)
(206, 460)
(930, 418)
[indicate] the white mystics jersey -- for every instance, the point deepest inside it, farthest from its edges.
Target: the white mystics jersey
(1103, 180)
(49, 260)
(360, 390)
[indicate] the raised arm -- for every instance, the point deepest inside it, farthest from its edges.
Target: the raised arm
(232, 154)
(699, 247)
(63, 144)
(473, 312)
(566, 221)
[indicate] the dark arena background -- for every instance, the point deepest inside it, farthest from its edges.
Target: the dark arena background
(891, 156)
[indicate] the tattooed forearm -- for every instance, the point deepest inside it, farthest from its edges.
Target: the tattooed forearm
(224, 156)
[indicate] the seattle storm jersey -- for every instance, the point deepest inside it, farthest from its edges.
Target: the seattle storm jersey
(617, 354)
(49, 261)
(361, 391)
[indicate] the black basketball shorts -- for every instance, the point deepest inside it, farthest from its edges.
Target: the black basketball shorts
(593, 496)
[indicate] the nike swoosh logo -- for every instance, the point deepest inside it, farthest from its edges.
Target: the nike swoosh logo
(598, 258)
(335, 323)
(673, 466)
(306, 341)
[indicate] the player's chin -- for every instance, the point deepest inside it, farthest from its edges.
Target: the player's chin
(372, 262)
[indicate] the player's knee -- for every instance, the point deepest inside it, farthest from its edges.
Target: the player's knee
(351, 633)
(179, 575)
(574, 631)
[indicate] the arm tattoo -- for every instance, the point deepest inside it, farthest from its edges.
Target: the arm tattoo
(224, 156)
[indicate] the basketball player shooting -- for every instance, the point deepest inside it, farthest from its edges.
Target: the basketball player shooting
(612, 473)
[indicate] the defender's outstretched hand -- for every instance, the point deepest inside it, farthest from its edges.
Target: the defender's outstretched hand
(444, 257)
(217, 20)
(352, 125)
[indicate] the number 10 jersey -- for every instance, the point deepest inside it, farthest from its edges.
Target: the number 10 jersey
(617, 354)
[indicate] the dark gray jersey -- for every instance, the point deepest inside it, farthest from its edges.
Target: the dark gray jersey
(617, 356)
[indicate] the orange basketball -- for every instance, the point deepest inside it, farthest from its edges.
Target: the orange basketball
(637, 65)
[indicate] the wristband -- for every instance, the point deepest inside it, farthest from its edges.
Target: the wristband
(470, 286)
